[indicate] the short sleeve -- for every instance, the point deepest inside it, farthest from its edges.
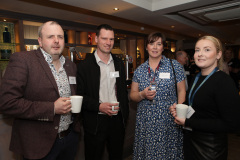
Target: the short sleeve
(137, 74)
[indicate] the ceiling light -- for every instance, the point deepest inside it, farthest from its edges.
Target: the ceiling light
(172, 27)
(4, 20)
(115, 9)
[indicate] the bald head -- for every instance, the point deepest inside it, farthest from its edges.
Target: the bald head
(181, 57)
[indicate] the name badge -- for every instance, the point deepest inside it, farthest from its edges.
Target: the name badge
(163, 75)
(72, 80)
(114, 74)
(190, 111)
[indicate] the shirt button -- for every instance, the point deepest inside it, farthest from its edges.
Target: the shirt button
(56, 127)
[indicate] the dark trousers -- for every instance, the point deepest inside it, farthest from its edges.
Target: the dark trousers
(63, 149)
(110, 132)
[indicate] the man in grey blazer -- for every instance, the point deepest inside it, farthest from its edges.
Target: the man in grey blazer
(35, 90)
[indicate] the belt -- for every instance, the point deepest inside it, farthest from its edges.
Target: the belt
(64, 133)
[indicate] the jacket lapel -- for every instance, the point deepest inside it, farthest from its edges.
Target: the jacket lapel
(117, 68)
(47, 69)
(69, 73)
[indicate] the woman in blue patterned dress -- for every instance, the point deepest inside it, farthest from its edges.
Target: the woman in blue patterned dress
(157, 137)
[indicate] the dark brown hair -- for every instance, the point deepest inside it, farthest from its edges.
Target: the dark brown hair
(153, 37)
(103, 26)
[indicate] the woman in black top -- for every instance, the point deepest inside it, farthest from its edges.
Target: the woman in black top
(216, 103)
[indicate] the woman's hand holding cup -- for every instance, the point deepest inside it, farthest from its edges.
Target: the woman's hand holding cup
(149, 94)
(179, 112)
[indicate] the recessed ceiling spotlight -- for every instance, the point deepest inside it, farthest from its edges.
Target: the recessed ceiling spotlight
(116, 9)
(4, 20)
(172, 26)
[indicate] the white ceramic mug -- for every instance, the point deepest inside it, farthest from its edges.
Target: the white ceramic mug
(76, 102)
(181, 110)
(113, 107)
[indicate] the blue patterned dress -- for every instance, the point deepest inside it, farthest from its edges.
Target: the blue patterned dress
(157, 136)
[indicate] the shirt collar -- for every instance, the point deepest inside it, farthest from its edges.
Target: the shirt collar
(48, 57)
(99, 60)
(163, 61)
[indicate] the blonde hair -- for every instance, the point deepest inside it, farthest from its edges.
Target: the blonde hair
(217, 43)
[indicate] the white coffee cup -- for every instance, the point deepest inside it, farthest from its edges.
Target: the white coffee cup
(113, 107)
(181, 110)
(76, 102)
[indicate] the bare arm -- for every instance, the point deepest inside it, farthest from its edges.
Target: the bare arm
(135, 95)
(181, 89)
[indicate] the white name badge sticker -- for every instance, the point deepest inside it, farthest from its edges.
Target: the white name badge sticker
(114, 74)
(72, 80)
(187, 72)
(190, 111)
(163, 75)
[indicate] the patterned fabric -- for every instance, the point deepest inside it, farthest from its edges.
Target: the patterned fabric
(63, 88)
(157, 136)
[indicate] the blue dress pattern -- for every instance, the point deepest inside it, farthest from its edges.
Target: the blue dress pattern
(157, 136)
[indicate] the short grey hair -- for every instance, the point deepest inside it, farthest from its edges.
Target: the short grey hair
(41, 27)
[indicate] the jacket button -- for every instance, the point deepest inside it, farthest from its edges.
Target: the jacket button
(56, 127)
